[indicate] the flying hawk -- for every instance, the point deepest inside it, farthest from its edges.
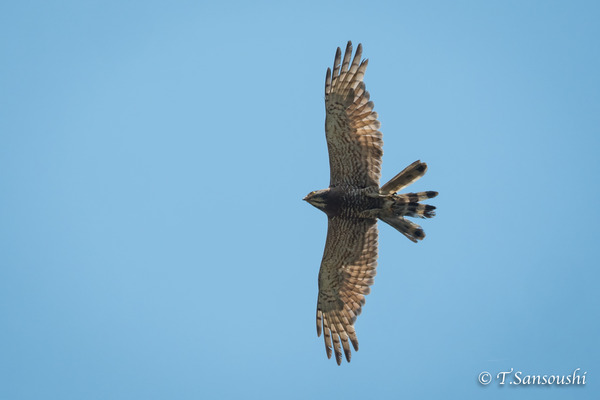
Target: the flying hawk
(354, 201)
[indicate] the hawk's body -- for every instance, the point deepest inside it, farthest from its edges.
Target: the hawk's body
(354, 201)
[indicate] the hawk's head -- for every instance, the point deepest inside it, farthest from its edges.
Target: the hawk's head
(318, 198)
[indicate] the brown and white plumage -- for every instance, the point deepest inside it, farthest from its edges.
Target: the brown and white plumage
(351, 126)
(347, 271)
(354, 201)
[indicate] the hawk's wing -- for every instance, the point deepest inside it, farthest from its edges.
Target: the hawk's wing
(351, 126)
(347, 271)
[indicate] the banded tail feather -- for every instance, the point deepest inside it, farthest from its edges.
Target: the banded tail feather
(415, 210)
(416, 197)
(407, 204)
(408, 228)
(407, 176)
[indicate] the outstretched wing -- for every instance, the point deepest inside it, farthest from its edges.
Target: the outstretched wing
(347, 271)
(351, 125)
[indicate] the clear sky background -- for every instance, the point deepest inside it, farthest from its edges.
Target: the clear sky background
(153, 159)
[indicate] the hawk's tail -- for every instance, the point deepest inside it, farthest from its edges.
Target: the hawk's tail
(407, 204)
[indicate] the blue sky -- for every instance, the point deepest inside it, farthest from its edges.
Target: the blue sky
(153, 158)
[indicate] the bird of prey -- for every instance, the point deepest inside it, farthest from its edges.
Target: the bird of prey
(354, 201)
